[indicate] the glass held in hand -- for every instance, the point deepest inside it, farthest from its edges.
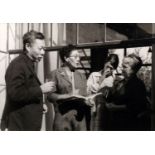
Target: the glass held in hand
(48, 87)
(52, 82)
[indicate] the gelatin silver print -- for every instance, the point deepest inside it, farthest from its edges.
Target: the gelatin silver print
(77, 77)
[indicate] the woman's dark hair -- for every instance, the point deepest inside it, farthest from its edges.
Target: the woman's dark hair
(66, 51)
(113, 59)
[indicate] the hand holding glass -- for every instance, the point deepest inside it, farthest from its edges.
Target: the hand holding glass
(48, 87)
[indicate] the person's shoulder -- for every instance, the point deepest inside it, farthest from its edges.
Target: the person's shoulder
(17, 64)
(96, 74)
(17, 61)
(135, 79)
(138, 81)
(58, 71)
(138, 85)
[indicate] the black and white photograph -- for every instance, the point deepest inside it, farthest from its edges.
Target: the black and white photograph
(76, 77)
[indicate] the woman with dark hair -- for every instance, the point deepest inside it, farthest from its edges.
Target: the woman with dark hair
(97, 81)
(71, 112)
(105, 77)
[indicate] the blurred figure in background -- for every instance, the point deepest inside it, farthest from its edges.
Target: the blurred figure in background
(105, 77)
(24, 92)
(97, 81)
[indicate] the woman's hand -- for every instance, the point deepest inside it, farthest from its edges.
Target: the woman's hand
(94, 88)
(107, 82)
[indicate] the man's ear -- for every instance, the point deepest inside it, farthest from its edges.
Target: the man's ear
(27, 46)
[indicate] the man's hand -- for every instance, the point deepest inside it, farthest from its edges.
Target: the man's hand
(45, 108)
(48, 87)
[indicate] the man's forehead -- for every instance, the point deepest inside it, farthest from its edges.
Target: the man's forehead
(39, 42)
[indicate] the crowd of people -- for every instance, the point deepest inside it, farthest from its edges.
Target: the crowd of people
(103, 102)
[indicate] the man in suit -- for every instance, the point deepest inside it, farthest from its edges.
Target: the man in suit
(24, 92)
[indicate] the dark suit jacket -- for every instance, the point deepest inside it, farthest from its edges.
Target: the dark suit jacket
(23, 108)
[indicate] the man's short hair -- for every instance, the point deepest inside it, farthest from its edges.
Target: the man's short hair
(137, 62)
(29, 37)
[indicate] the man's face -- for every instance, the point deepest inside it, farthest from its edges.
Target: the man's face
(36, 50)
(127, 67)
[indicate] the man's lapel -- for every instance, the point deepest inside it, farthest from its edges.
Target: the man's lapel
(64, 75)
(30, 66)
